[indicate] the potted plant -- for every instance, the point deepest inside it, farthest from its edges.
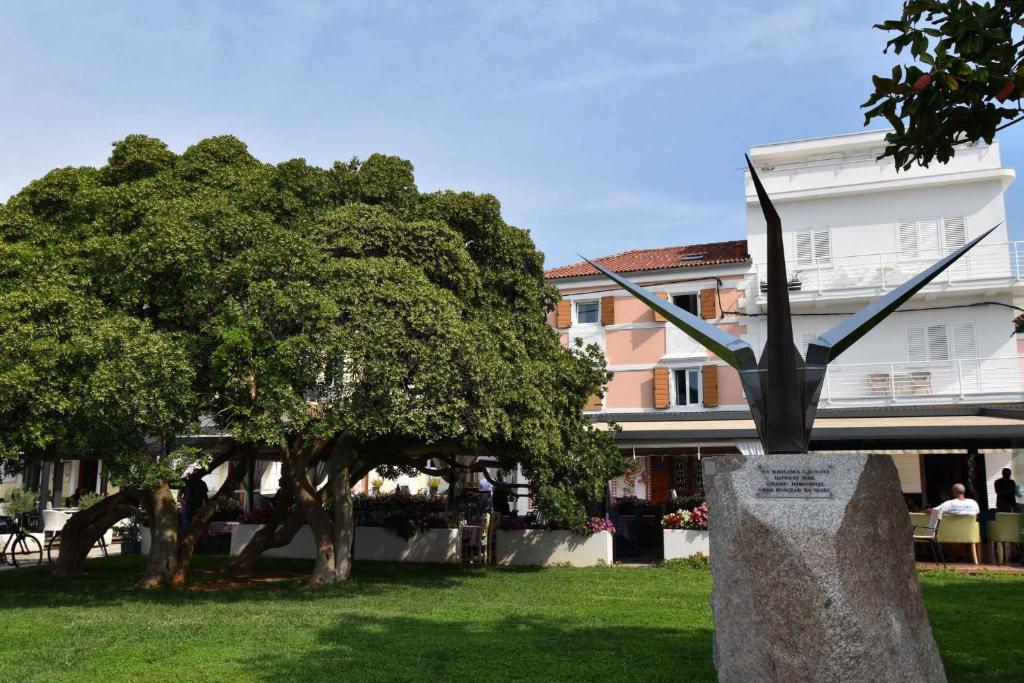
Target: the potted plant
(685, 533)
(434, 483)
(377, 484)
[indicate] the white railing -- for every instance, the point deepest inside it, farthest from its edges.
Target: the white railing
(1001, 261)
(924, 382)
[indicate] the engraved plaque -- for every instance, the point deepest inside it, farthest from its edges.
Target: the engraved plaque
(795, 482)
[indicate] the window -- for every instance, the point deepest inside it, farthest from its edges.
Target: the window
(687, 387)
(941, 341)
(588, 311)
(931, 237)
(813, 247)
(687, 302)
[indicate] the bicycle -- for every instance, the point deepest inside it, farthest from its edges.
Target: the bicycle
(23, 548)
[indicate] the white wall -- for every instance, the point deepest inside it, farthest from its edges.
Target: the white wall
(867, 223)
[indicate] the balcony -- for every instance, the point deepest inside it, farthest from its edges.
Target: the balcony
(927, 382)
(987, 265)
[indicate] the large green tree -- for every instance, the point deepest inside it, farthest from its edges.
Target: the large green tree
(964, 83)
(331, 318)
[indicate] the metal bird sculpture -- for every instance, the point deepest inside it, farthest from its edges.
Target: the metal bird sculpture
(782, 388)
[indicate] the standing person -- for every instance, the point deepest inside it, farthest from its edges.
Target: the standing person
(196, 494)
(1006, 492)
(486, 489)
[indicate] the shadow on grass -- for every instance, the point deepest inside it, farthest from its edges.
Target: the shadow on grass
(515, 648)
(111, 580)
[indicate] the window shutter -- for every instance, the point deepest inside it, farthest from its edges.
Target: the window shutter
(955, 228)
(938, 342)
(563, 314)
(964, 344)
(908, 239)
(823, 246)
(658, 317)
(593, 404)
(607, 310)
(917, 349)
(804, 248)
(928, 238)
(661, 397)
(709, 385)
(708, 304)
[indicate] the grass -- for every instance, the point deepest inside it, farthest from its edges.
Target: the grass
(394, 622)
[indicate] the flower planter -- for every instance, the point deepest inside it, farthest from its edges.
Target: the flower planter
(685, 543)
(383, 545)
(538, 547)
(371, 543)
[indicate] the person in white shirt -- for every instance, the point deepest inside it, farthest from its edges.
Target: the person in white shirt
(960, 504)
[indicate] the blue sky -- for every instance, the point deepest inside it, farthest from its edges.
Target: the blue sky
(601, 126)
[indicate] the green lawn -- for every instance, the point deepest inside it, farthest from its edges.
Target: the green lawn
(394, 622)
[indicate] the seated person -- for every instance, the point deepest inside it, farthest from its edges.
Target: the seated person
(959, 504)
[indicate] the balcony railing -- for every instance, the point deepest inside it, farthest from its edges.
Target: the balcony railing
(925, 382)
(882, 271)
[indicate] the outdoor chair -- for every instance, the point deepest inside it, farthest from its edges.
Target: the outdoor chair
(53, 522)
(879, 384)
(1005, 528)
(961, 529)
(921, 383)
(929, 533)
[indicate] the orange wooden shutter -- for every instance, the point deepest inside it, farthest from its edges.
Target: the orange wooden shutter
(607, 310)
(661, 397)
(563, 314)
(709, 384)
(593, 403)
(658, 317)
(708, 304)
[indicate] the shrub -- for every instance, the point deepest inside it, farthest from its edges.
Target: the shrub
(21, 501)
(696, 561)
(87, 500)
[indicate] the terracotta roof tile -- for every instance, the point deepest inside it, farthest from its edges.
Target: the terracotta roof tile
(688, 256)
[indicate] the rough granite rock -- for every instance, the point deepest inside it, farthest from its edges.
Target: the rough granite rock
(815, 589)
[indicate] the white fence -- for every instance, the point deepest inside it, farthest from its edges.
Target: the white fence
(924, 382)
(1001, 261)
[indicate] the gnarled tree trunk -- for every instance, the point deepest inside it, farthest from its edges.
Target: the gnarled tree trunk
(163, 525)
(197, 527)
(341, 491)
(86, 527)
(284, 522)
(311, 506)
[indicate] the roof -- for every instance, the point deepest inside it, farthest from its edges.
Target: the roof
(687, 256)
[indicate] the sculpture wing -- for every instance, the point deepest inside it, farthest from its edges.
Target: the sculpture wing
(729, 348)
(828, 346)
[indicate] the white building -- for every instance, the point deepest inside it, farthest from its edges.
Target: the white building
(942, 376)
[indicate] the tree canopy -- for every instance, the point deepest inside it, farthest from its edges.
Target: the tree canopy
(964, 84)
(320, 314)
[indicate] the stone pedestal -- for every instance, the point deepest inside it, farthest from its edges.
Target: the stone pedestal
(813, 570)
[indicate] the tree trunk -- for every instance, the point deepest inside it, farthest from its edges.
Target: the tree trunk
(341, 492)
(87, 526)
(284, 522)
(320, 524)
(197, 527)
(163, 525)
